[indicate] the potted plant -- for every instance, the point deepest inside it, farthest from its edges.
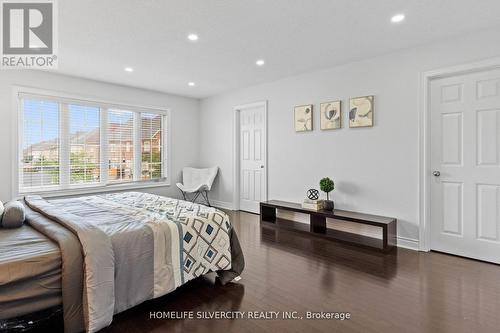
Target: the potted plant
(327, 185)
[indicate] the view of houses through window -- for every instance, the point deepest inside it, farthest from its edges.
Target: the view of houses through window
(120, 145)
(151, 147)
(64, 144)
(85, 143)
(40, 162)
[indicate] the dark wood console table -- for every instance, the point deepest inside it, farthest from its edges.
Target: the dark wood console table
(318, 224)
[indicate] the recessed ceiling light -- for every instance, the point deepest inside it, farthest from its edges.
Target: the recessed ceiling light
(193, 37)
(128, 69)
(398, 18)
(260, 62)
(191, 84)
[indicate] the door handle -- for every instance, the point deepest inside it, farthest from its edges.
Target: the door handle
(436, 173)
(262, 167)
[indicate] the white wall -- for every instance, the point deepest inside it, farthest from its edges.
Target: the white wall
(375, 169)
(184, 111)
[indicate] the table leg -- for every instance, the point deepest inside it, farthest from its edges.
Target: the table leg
(389, 235)
(318, 223)
(268, 214)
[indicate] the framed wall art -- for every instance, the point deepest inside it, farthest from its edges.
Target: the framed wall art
(303, 118)
(361, 111)
(330, 115)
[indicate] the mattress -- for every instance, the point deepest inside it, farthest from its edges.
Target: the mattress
(30, 272)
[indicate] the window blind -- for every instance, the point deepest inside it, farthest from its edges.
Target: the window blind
(84, 144)
(39, 166)
(71, 144)
(120, 145)
(151, 146)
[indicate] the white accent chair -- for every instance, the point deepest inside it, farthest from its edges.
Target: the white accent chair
(198, 182)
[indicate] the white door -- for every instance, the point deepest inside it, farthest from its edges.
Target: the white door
(253, 152)
(465, 162)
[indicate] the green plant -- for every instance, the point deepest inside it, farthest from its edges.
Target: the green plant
(326, 185)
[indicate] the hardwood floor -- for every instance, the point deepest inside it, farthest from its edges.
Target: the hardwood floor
(403, 291)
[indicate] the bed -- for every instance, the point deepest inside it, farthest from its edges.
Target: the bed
(103, 254)
(30, 278)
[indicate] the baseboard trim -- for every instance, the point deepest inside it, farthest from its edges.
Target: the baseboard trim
(408, 243)
(222, 204)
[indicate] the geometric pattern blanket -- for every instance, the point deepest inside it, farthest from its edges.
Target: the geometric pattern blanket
(204, 231)
(138, 246)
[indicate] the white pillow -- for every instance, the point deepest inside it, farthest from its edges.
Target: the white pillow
(1, 211)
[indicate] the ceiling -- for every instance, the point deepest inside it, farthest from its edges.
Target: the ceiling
(98, 39)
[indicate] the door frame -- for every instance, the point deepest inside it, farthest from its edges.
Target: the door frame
(236, 149)
(424, 214)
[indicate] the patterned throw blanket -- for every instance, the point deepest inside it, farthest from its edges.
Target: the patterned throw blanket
(138, 246)
(203, 231)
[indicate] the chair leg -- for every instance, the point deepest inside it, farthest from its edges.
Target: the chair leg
(208, 201)
(196, 196)
(183, 194)
(205, 196)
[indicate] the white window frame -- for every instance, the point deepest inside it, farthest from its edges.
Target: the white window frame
(17, 149)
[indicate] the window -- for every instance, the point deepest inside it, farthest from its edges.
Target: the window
(120, 137)
(84, 144)
(70, 144)
(151, 146)
(40, 156)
